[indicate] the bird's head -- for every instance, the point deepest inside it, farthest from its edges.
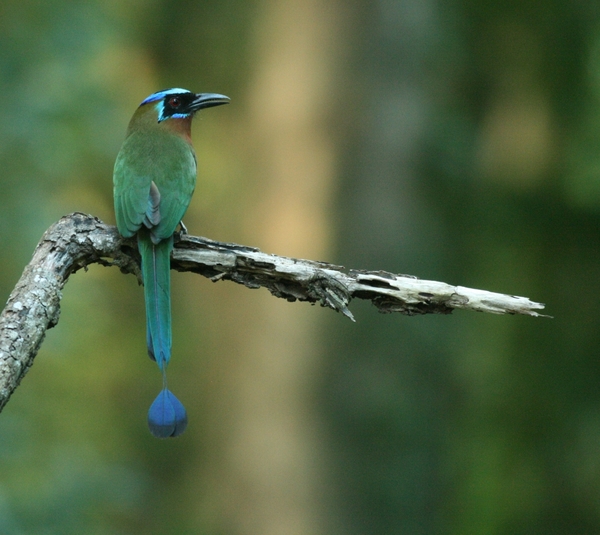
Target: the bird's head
(171, 110)
(177, 103)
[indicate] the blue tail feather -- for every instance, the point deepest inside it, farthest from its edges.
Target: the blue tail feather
(149, 343)
(167, 416)
(156, 265)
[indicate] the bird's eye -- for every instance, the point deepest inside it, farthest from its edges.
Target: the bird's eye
(174, 102)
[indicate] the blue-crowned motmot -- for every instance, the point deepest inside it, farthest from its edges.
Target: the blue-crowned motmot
(154, 179)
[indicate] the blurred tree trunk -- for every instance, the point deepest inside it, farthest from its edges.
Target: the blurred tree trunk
(267, 476)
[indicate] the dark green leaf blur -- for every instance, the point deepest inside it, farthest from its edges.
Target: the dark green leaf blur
(456, 141)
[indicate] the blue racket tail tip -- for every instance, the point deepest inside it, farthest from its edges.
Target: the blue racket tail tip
(167, 416)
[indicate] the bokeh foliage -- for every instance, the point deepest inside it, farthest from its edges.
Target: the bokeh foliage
(457, 141)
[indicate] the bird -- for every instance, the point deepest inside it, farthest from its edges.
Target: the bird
(153, 182)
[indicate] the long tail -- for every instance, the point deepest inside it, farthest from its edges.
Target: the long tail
(167, 416)
(156, 271)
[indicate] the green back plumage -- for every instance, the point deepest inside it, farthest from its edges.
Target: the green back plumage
(161, 157)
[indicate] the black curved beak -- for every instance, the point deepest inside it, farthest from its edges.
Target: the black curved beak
(208, 100)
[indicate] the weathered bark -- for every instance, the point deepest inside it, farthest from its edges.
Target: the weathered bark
(78, 240)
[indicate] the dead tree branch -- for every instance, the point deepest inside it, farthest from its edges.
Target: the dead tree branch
(77, 240)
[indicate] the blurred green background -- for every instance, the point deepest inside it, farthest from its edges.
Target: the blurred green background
(456, 141)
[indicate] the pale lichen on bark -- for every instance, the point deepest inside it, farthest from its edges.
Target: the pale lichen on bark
(78, 240)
